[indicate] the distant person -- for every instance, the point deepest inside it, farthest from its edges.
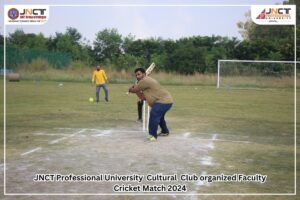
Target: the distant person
(159, 99)
(100, 79)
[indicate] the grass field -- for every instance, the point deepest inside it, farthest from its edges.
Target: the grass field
(52, 128)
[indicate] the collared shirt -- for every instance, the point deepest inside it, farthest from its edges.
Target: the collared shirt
(153, 91)
(99, 77)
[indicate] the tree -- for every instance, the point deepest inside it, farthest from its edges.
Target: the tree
(70, 42)
(17, 38)
(1, 39)
(107, 45)
(187, 59)
(74, 35)
(279, 38)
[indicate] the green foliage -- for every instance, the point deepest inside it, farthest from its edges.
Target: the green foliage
(16, 57)
(187, 59)
(189, 55)
(160, 60)
(70, 42)
(77, 65)
(37, 64)
(107, 45)
(127, 62)
(19, 39)
(270, 42)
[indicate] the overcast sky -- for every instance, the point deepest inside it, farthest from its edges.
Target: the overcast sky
(142, 21)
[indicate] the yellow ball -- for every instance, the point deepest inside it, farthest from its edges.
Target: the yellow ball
(91, 99)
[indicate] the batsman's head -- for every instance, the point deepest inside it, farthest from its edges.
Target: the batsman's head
(140, 73)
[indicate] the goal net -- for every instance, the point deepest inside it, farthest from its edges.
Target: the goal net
(255, 73)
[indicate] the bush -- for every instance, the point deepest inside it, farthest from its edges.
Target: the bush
(38, 64)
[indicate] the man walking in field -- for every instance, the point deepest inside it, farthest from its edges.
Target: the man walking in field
(99, 78)
(159, 99)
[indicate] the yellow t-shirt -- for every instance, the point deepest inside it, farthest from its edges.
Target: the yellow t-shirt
(153, 91)
(99, 77)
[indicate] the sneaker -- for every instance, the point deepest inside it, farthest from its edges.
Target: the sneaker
(152, 139)
(163, 134)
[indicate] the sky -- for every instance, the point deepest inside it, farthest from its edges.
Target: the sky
(213, 17)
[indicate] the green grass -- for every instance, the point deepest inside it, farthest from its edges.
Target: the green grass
(263, 117)
(83, 74)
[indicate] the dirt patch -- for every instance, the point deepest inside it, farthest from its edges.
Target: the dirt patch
(111, 151)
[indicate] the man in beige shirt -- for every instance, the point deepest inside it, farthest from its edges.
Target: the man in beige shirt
(159, 99)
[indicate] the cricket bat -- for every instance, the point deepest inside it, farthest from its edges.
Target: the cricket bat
(150, 69)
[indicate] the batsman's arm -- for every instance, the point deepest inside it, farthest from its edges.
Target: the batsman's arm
(140, 95)
(134, 89)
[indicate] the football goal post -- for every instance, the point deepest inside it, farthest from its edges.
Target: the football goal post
(255, 73)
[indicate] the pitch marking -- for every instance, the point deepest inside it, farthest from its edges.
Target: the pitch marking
(31, 151)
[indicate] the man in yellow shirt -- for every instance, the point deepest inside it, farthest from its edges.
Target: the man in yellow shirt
(99, 78)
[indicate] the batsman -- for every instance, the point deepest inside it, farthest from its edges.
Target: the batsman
(158, 98)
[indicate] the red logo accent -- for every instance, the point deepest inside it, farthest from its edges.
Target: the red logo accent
(262, 15)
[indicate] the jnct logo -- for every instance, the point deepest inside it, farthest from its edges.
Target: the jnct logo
(280, 11)
(13, 13)
(36, 13)
(33, 12)
(275, 13)
(26, 14)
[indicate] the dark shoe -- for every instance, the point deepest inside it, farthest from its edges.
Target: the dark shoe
(163, 134)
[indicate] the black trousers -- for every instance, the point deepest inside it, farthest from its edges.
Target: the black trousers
(140, 109)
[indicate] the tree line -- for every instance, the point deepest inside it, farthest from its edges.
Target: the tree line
(187, 55)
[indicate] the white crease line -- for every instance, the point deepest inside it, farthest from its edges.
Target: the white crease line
(236, 141)
(101, 130)
(97, 130)
(101, 134)
(104, 133)
(65, 128)
(207, 160)
(63, 138)
(128, 131)
(31, 151)
(214, 137)
(225, 134)
(52, 134)
(210, 146)
(114, 131)
(57, 140)
(187, 134)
